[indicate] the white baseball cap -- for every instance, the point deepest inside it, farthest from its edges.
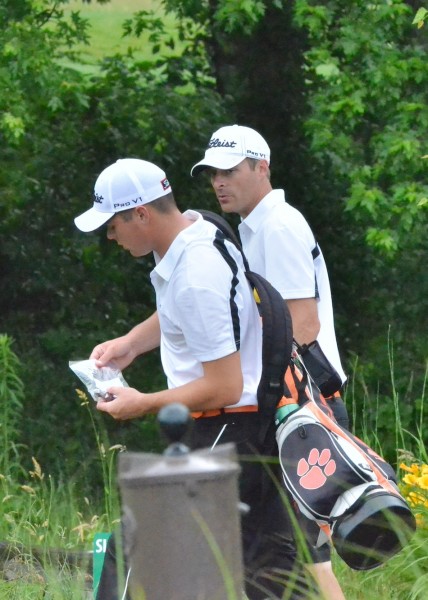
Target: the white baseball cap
(127, 183)
(229, 146)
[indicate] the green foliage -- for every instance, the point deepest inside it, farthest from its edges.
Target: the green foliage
(30, 38)
(240, 15)
(367, 80)
(107, 461)
(389, 412)
(420, 17)
(63, 292)
(11, 405)
(402, 577)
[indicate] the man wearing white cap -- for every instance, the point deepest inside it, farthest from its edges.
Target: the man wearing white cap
(279, 245)
(209, 332)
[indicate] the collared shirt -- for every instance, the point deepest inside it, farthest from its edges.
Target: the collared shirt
(206, 311)
(278, 243)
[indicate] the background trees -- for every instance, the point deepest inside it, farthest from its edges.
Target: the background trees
(339, 91)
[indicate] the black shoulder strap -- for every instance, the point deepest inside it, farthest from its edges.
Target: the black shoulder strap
(277, 333)
(276, 348)
(221, 224)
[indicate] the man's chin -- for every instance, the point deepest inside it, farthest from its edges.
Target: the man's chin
(224, 206)
(138, 254)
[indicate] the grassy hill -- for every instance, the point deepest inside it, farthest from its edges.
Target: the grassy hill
(106, 28)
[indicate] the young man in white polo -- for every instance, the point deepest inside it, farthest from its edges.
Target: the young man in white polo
(280, 246)
(209, 332)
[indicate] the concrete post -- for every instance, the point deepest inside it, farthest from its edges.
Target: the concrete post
(182, 536)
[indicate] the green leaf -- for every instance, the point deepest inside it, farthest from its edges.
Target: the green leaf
(327, 70)
(383, 239)
(12, 126)
(420, 17)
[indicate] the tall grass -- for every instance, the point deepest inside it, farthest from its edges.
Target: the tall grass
(38, 514)
(11, 396)
(46, 526)
(405, 576)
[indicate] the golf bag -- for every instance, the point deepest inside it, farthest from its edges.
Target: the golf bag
(342, 484)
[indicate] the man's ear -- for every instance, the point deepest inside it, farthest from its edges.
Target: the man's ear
(263, 166)
(142, 213)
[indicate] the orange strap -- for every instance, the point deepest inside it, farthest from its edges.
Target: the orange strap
(216, 412)
(333, 426)
(335, 395)
(286, 401)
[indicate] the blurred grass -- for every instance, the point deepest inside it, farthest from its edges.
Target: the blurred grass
(403, 577)
(106, 30)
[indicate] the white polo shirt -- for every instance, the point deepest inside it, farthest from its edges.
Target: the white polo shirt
(206, 311)
(278, 243)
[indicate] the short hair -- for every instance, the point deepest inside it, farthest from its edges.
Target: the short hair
(253, 161)
(164, 205)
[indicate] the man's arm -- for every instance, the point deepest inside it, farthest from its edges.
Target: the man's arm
(122, 350)
(304, 316)
(220, 385)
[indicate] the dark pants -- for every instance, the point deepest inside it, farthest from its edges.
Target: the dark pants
(272, 568)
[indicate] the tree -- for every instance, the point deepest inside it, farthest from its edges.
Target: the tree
(63, 292)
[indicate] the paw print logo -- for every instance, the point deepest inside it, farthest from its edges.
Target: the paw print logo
(314, 471)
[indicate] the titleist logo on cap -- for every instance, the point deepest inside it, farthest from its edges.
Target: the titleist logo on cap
(216, 143)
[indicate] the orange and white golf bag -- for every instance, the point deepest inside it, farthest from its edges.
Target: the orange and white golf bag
(342, 484)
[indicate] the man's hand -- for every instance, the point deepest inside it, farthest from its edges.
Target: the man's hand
(221, 385)
(123, 350)
(118, 352)
(128, 404)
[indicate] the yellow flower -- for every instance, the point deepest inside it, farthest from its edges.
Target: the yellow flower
(420, 522)
(414, 468)
(416, 498)
(410, 479)
(423, 482)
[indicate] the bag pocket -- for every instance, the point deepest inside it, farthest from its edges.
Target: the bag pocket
(317, 465)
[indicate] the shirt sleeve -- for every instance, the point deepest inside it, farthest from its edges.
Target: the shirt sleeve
(289, 262)
(208, 311)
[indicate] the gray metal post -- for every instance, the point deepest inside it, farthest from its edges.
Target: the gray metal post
(182, 535)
